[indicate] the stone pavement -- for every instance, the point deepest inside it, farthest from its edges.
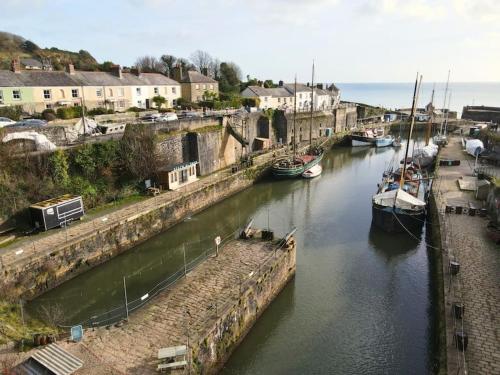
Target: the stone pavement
(477, 284)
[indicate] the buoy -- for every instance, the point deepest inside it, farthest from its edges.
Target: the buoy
(458, 310)
(461, 340)
(454, 267)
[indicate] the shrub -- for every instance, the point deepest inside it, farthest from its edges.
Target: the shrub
(59, 167)
(13, 112)
(250, 102)
(135, 109)
(69, 112)
(49, 114)
(97, 111)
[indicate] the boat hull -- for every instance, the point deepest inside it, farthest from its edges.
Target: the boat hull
(313, 172)
(384, 142)
(359, 141)
(295, 171)
(395, 220)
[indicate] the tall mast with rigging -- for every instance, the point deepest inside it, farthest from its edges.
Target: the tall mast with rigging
(430, 111)
(312, 107)
(294, 148)
(412, 123)
(444, 105)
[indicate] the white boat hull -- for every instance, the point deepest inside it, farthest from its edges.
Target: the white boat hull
(313, 172)
(356, 143)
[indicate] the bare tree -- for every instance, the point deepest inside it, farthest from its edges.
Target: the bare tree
(52, 314)
(214, 69)
(201, 60)
(185, 64)
(150, 64)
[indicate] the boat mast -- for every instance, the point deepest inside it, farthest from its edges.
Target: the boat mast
(430, 111)
(444, 105)
(294, 114)
(312, 107)
(412, 123)
(447, 114)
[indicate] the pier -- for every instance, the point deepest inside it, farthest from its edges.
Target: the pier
(464, 241)
(209, 311)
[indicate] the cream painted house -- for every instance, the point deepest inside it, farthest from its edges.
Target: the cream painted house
(275, 98)
(37, 90)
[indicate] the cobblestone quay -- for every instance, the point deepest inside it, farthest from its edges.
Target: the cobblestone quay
(210, 310)
(477, 284)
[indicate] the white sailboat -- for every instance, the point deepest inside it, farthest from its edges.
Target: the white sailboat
(313, 172)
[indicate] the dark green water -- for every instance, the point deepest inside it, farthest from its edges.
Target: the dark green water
(359, 304)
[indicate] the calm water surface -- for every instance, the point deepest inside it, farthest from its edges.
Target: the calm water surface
(360, 301)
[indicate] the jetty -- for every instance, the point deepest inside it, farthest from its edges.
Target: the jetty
(470, 268)
(206, 313)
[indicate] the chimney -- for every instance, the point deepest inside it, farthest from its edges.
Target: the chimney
(116, 70)
(71, 69)
(307, 84)
(319, 86)
(178, 73)
(280, 83)
(136, 71)
(204, 71)
(16, 65)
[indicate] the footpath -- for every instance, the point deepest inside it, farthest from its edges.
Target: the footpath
(477, 283)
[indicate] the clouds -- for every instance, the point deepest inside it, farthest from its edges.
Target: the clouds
(486, 11)
(426, 10)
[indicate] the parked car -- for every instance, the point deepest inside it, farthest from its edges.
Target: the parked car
(29, 123)
(4, 121)
(191, 114)
(168, 116)
(151, 118)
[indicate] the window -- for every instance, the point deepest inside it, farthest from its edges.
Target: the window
(279, 100)
(284, 100)
(197, 87)
(138, 91)
(16, 94)
(98, 93)
(204, 87)
(110, 92)
(48, 106)
(63, 95)
(157, 91)
(46, 94)
(265, 98)
(139, 103)
(121, 91)
(174, 90)
(300, 96)
(74, 93)
(1, 97)
(211, 87)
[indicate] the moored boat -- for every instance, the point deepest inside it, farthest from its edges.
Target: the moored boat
(291, 168)
(385, 141)
(363, 138)
(315, 171)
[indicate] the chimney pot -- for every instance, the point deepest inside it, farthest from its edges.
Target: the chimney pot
(280, 83)
(71, 69)
(178, 73)
(116, 70)
(16, 65)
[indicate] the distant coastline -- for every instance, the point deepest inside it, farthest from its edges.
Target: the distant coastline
(398, 95)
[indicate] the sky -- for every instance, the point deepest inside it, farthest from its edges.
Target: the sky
(350, 40)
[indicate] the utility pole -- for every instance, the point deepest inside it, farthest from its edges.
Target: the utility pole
(312, 107)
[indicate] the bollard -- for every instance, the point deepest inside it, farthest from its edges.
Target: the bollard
(454, 267)
(458, 310)
(461, 340)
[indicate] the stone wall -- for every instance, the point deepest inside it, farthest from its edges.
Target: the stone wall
(283, 125)
(210, 352)
(173, 150)
(33, 276)
(481, 113)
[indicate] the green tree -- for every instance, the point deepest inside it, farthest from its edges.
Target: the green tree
(59, 167)
(159, 101)
(229, 77)
(84, 160)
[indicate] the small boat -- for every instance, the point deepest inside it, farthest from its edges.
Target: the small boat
(291, 168)
(313, 172)
(385, 141)
(396, 142)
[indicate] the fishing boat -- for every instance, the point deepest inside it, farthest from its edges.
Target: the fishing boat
(441, 139)
(313, 172)
(361, 138)
(295, 165)
(400, 202)
(385, 141)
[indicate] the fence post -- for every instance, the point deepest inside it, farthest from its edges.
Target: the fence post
(125, 290)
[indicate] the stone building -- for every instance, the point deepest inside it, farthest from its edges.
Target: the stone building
(195, 85)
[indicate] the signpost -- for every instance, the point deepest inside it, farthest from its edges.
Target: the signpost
(217, 243)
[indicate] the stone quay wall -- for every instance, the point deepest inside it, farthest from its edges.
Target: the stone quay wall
(33, 275)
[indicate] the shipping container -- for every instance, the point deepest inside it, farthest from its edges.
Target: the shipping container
(57, 212)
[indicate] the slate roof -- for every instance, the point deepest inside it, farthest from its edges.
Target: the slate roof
(276, 92)
(193, 76)
(28, 78)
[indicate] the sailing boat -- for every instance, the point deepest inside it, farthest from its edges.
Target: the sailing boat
(440, 139)
(399, 206)
(295, 166)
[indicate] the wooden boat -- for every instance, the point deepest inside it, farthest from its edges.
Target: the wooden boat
(363, 138)
(313, 172)
(295, 165)
(399, 204)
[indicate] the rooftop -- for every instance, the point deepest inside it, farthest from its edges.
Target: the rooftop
(193, 76)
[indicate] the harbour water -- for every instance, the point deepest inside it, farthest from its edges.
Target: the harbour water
(395, 95)
(360, 301)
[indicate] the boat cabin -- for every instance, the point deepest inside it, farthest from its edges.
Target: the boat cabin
(178, 175)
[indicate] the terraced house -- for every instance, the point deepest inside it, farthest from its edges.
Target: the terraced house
(37, 90)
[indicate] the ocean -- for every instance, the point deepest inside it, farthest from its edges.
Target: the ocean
(399, 95)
